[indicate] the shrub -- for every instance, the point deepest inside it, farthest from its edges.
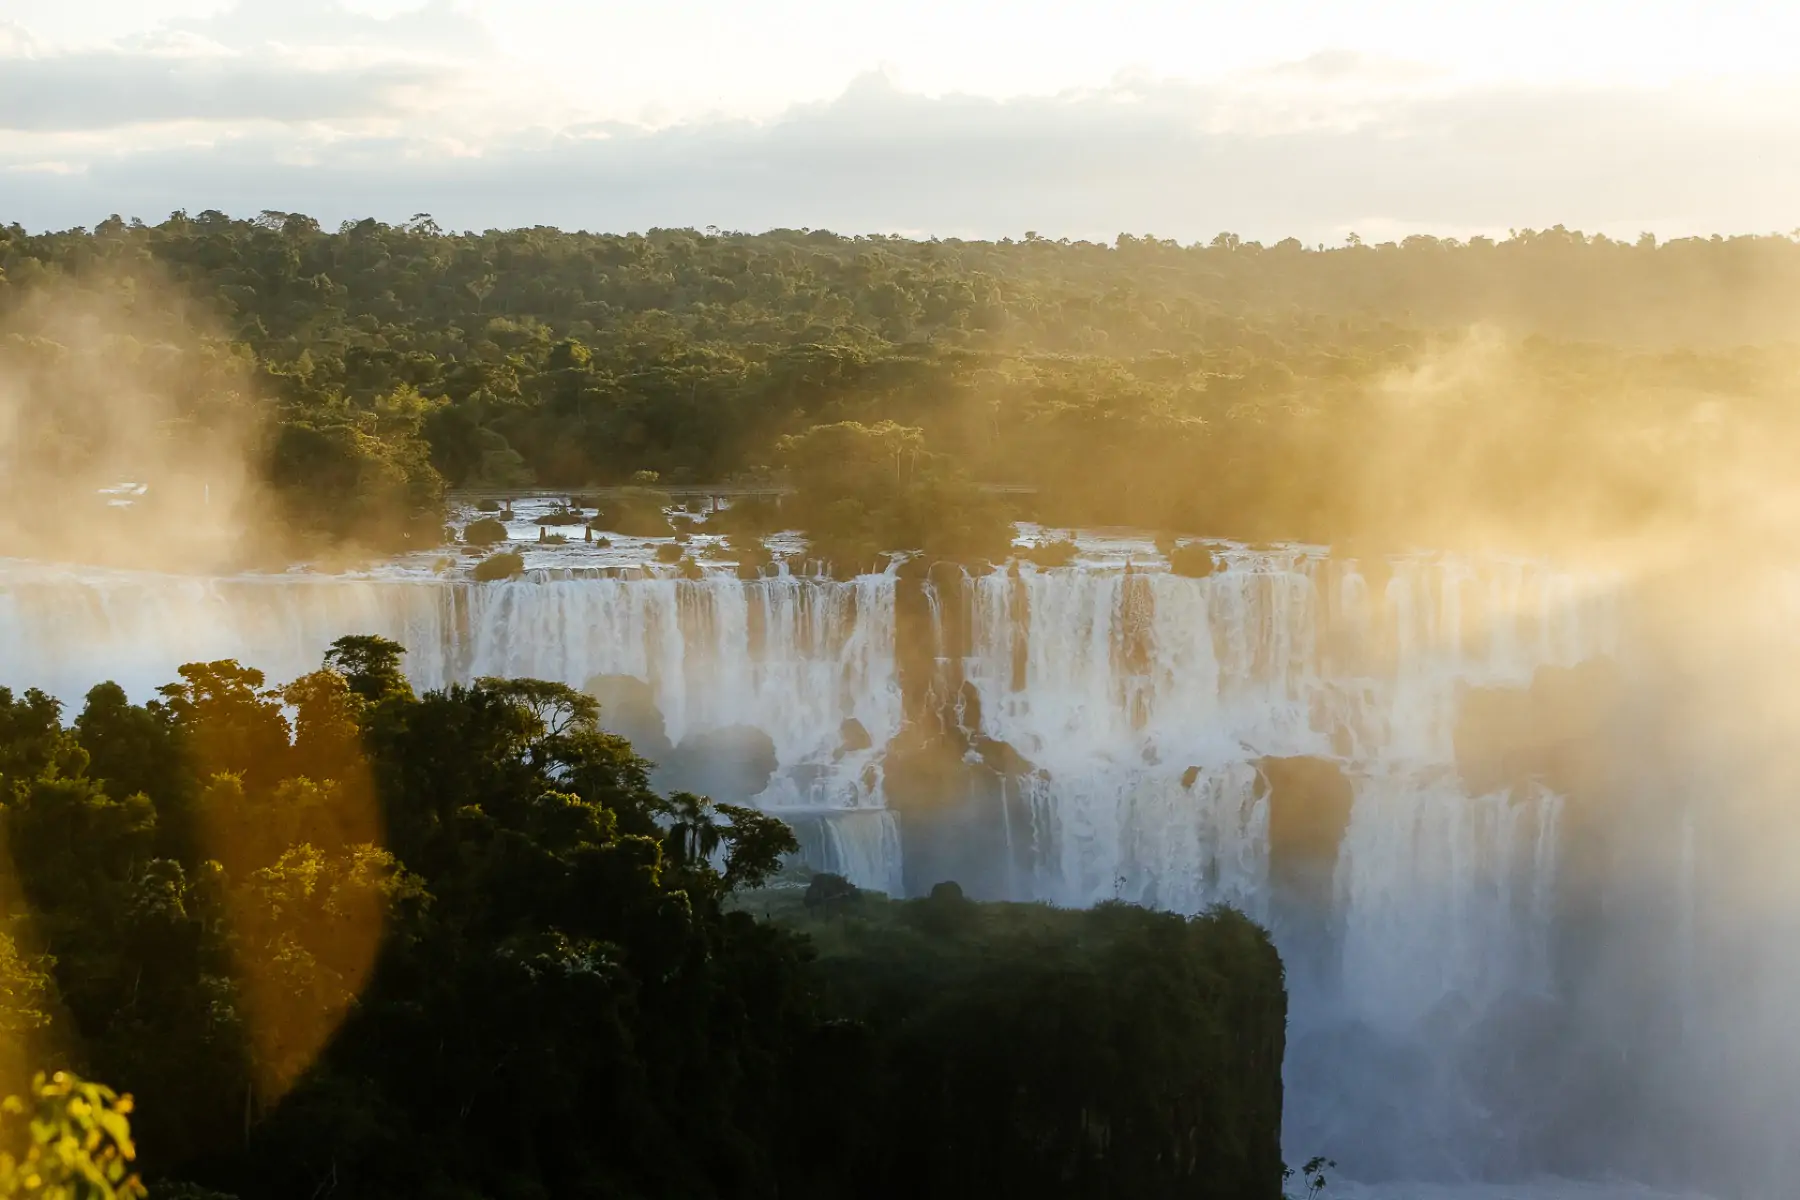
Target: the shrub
(555, 539)
(751, 515)
(503, 565)
(636, 511)
(748, 549)
(1192, 561)
(668, 552)
(487, 506)
(562, 516)
(946, 911)
(828, 892)
(484, 532)
(691, 569)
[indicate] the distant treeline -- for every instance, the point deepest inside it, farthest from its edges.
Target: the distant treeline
(1410, 389)
(342, 939)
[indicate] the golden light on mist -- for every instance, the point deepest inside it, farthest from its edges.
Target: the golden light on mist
(121, 381)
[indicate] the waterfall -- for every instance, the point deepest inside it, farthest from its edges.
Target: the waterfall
(1132, 682)
(792, 659)
(1109, 733)
(1116, 685)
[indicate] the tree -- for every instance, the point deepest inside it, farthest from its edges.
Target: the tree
(24, 986)
(371, 665)
(131, 748)
(755, 845)
(748, 845)
(228, 721)
(79, 1145)
(539, 946)
(33, 742)
(862, 490)
(1223, 390)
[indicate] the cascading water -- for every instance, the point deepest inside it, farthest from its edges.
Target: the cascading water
(793, 660)
(1104, 731)
(1147, 708)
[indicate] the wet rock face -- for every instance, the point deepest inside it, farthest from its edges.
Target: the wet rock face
(1001, 757)
(628, 708)
(1309, 809)
(1564, 733)
(1552, 732)
(853, 736)
(960, 805)
(954, 792)
(924, 770)
(732, 764)
(1497, 739)
(924, 666)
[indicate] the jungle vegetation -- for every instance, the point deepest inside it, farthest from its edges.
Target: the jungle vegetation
(1550, 383)
(340, 938)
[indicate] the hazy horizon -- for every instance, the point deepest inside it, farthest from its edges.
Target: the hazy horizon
(920, 121)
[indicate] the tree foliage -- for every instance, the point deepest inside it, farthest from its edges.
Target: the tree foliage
(76, 1143)
(1024, 1050)
(1550, 380)
(342, 937)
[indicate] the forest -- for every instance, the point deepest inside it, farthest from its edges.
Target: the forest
(335, 937)
(1548, 385)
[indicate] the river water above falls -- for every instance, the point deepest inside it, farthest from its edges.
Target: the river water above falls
(1291, 735)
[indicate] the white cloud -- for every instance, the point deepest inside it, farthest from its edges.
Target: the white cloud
(308, 60)
(194, 81)
(313, 105)
(1174, 159)
(46, 167)
(15, 40)
(438, 28)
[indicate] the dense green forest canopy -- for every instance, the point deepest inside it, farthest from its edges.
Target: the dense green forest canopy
(341, 938)
(1550, 379)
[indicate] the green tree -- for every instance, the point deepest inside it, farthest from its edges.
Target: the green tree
(78, 1143)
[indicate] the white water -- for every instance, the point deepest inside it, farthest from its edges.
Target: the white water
(1144, 701)
(1286, 654)
(791, 658)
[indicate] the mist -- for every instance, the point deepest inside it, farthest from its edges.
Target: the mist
(1429, 603)
(127, 434)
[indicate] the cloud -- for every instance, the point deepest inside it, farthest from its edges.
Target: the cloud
(15, 39)
(438, 28)
(307, 60)
(112, 90)
(1175, 159)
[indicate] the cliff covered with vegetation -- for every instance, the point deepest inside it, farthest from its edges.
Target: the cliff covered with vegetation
(340, 938)
(1019, 1049)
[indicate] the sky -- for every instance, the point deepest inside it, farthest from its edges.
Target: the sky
(1300, 118)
